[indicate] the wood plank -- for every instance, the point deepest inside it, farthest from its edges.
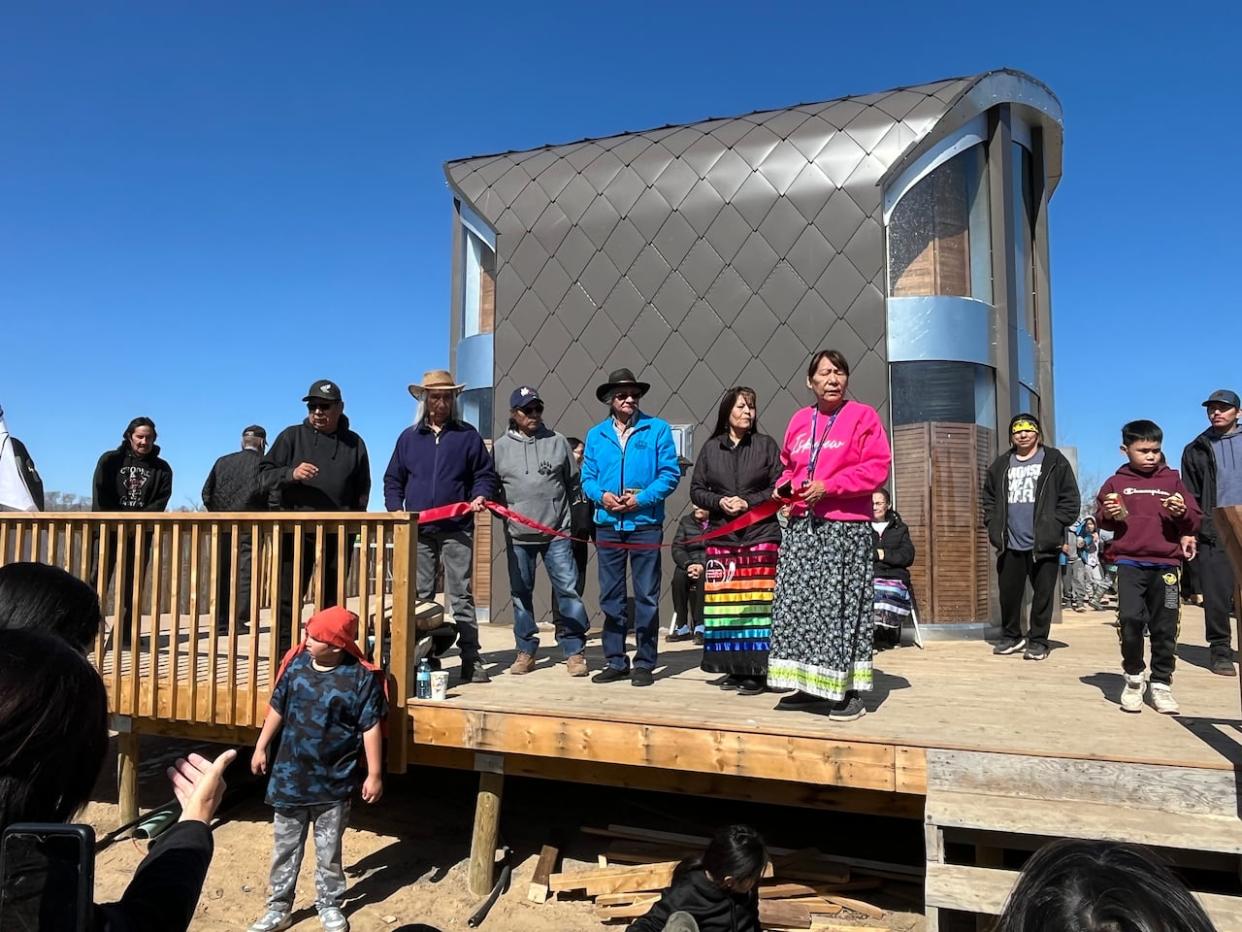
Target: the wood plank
(615, 879)
(544, 867)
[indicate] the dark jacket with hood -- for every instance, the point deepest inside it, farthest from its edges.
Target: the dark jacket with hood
(749, 471)
(1199, 474)
(233, 484)
(713, 908)
(1149, 534)
(163, 894)
(429, 469)
(344, 480)
(685, 554)
(125, 481)
(1057, 501)
(898, 549)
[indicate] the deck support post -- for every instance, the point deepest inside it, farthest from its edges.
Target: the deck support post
(486, 830)
(127, 775)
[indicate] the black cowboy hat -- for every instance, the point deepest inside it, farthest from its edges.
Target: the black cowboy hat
(617, 379)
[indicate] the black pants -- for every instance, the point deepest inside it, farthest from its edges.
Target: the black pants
(1149, 598)
(580, 560)
(687, 600)
(1216, 582)
(224, 580)
(1013, 569)
(125, 585)
(289, 591)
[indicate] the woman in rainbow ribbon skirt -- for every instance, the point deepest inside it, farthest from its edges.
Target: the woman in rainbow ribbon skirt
(835, 455)
(736, 471)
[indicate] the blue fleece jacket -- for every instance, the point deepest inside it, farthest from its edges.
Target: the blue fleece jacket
(649, 464)
(428, 470)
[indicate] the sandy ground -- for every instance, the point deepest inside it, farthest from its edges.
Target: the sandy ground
(405, 857)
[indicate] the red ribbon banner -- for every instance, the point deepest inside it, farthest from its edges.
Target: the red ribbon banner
(760, 512)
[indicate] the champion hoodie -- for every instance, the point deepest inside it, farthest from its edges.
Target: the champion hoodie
(344, 480)
(1149, 534)
(537, 476)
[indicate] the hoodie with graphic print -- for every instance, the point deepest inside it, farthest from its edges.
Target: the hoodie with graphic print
(125, 481)
(344, 479)
(1149, 534)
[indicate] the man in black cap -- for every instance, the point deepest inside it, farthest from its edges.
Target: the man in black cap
(318, 465)
(1212, 470)
(628, 469)
(233, 485)
(1030, 496)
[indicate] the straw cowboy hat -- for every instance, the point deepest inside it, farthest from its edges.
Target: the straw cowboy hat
(435, 380)
(620, 378)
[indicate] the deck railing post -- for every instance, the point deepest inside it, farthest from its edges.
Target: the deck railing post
(401, 632)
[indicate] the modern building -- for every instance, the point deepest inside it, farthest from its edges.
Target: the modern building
(907, 228)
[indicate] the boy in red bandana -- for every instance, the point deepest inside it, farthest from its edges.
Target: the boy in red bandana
(328, 704)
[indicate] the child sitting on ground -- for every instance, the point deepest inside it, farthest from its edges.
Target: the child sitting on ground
(689, 561)
(328, 704)
(1154, 519)
(715, 893)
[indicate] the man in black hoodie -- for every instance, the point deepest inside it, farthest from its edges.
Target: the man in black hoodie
(318, 465)
(1212, 470)
(1030, 496)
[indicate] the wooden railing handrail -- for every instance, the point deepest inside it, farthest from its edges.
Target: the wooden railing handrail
(191, 517)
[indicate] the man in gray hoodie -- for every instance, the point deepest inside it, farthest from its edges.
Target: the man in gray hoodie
(538, 474)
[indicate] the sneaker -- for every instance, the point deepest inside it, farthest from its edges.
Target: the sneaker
(698, 639)
(1161, 695)
(682, 634)
(848, 709)
(472, 672)
(1009, 645)
(729, 682)
(272, 921)
(752, 686)
(1080, 608)
(522, 664)
(1222, 665)
(798, 700)
(610, 675)
(641, 677)
(1132, 695)
(1035, 652)
(576, 665)
(333, 920)
(681, 922)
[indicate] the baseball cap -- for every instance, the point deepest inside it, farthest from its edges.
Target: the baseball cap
(524, 395)
(254, 430)
(324, 390)
(1225, 397)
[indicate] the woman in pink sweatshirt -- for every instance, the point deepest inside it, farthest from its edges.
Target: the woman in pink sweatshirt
(835, 455)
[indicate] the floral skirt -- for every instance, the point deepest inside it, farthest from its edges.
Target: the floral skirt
(737, 608)
(822, 621)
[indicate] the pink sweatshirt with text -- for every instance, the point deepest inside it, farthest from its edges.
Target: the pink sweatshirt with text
(852, 463)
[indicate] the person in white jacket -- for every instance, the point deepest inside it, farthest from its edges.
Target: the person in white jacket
(21, 489)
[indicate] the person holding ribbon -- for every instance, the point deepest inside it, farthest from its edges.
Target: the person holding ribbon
(835, 455)
(735, 473)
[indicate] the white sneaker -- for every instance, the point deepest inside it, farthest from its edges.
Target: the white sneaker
(272, 921)
(1162, 700)
(1132, 695)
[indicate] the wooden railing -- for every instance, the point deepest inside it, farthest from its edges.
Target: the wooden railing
(166, 580)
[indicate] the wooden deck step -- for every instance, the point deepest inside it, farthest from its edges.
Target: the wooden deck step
(984, 890)
(1089, 820)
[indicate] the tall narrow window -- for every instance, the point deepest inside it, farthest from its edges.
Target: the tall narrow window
(479, 281)
(1024, 234)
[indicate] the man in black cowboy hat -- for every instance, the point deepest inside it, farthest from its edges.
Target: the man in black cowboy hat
(628, 469)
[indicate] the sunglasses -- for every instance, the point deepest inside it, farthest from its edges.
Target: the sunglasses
(623, 395)
(532, 409)
(320, 405)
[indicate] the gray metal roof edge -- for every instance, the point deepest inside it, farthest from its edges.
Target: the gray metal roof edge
(974, 79)
(965, 104)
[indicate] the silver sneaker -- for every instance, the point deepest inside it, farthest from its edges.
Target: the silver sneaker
(1161, 695)
(1132, 695)
(272, 921)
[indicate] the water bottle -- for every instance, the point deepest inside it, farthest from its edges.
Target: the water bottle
(423, 680)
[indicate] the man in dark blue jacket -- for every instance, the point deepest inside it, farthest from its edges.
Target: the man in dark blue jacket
(438, 461)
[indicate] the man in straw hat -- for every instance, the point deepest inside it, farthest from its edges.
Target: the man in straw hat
(629, 468)
(439, 460)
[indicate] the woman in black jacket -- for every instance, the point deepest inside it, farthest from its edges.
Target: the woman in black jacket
(737, 470)
(131, 478)
(894, 552)
(718, 891)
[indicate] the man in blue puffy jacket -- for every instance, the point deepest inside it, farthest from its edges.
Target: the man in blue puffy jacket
(440, 460)
(628, 469)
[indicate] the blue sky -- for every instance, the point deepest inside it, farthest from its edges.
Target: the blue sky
(203, 207)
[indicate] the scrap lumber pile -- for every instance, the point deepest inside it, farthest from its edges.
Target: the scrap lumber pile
(800, 890)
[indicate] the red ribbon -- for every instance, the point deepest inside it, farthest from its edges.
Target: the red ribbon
(760, 512)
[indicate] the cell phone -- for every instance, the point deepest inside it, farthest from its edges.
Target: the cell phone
(47, 877)
(785, 490)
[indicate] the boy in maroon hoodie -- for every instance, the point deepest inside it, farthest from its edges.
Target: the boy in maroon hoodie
(1154, 519)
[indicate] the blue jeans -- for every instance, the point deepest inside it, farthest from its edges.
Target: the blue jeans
(645, 570)
(558, 560)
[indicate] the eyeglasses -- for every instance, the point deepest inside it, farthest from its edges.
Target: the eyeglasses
(627, 395)
(531, 410)
(320, 405)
